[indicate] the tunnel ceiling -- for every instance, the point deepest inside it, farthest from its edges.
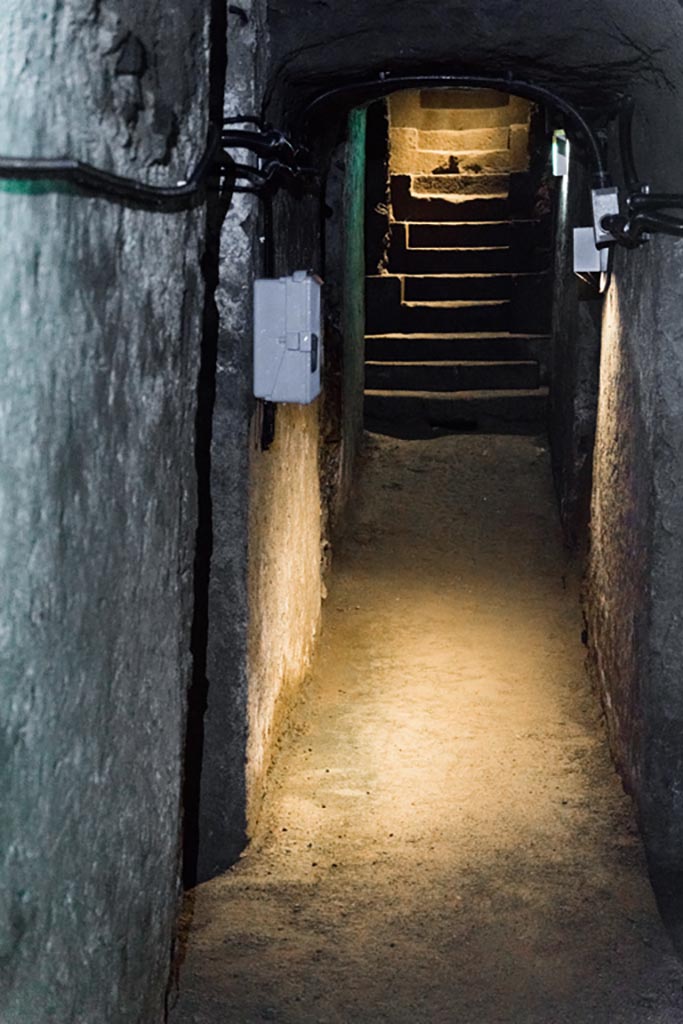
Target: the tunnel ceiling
(578, 44)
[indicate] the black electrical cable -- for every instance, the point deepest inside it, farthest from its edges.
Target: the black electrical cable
(281, 167)
(658, 222)
(376, 88)
(270, 143)
(655, 201)
(94, 181)
(644, 207)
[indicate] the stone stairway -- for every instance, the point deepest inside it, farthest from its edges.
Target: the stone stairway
(457, 319)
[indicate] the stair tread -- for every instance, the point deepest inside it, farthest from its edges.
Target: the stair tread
(468, 396)
(454, 303)
(470, 223)
(457, 335)
(457, 248)
(433, 363)
(462, 277)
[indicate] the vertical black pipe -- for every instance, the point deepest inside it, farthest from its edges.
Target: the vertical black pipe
(206, 390)
(269, 409)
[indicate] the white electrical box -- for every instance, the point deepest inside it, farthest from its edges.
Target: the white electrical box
(605, 204)
(288, 338)
(588, 259)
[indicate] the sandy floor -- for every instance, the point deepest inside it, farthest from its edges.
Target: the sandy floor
(444, 838)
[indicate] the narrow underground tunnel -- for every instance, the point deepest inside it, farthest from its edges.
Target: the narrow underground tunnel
(442, 834)
(383, 657)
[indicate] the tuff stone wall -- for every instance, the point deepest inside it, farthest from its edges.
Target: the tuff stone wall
(216, 753)
(634, 603)
(278, 478)
(100, 315)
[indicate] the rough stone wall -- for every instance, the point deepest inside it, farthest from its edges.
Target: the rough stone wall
(634, 605)
(100, 313)
(285, 536)
(292, 516)
(221, 815)
(617, 605)
(269, 515)
(284, 581)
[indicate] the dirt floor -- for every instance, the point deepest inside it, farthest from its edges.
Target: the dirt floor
(444, 838)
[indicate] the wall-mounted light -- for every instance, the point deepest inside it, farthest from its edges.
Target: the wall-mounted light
(560, 153)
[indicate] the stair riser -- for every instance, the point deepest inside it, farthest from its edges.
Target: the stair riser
(444, 289)
(407, 207)
(385, 314)
(452, 378)
(528, 288)
(454, 142)
(421, 162)
(495, 261)
(461, 184)
(407, 111)
(523, 234)
(521, 414)
(527, 312)
(436, 320)
(422, 350)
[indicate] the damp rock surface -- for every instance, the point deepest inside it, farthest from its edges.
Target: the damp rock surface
(100, 320)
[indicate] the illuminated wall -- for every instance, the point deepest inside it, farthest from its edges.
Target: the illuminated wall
(275, 489)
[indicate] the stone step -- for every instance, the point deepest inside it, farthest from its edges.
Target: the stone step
(451, 376)
(410, 413)
(480, 234)
(470, 347)
(417, 262)
(448, 287)
(421, 161)
(458, 141)
(461, 185)
(407, 143)
(528, 311)
(408, 110)
(513, 140)
(427, 318)
(386, 313)
(406, 205)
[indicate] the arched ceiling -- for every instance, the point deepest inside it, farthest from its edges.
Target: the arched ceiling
(617, 38)
(584, 49)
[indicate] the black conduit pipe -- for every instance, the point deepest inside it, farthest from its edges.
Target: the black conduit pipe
(94, 180)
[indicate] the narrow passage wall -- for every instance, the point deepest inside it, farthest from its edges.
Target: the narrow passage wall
(100, 319)
(279, 476)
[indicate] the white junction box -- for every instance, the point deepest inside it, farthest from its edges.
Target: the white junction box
(588, 259)
(288, 338)
(605, 204)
